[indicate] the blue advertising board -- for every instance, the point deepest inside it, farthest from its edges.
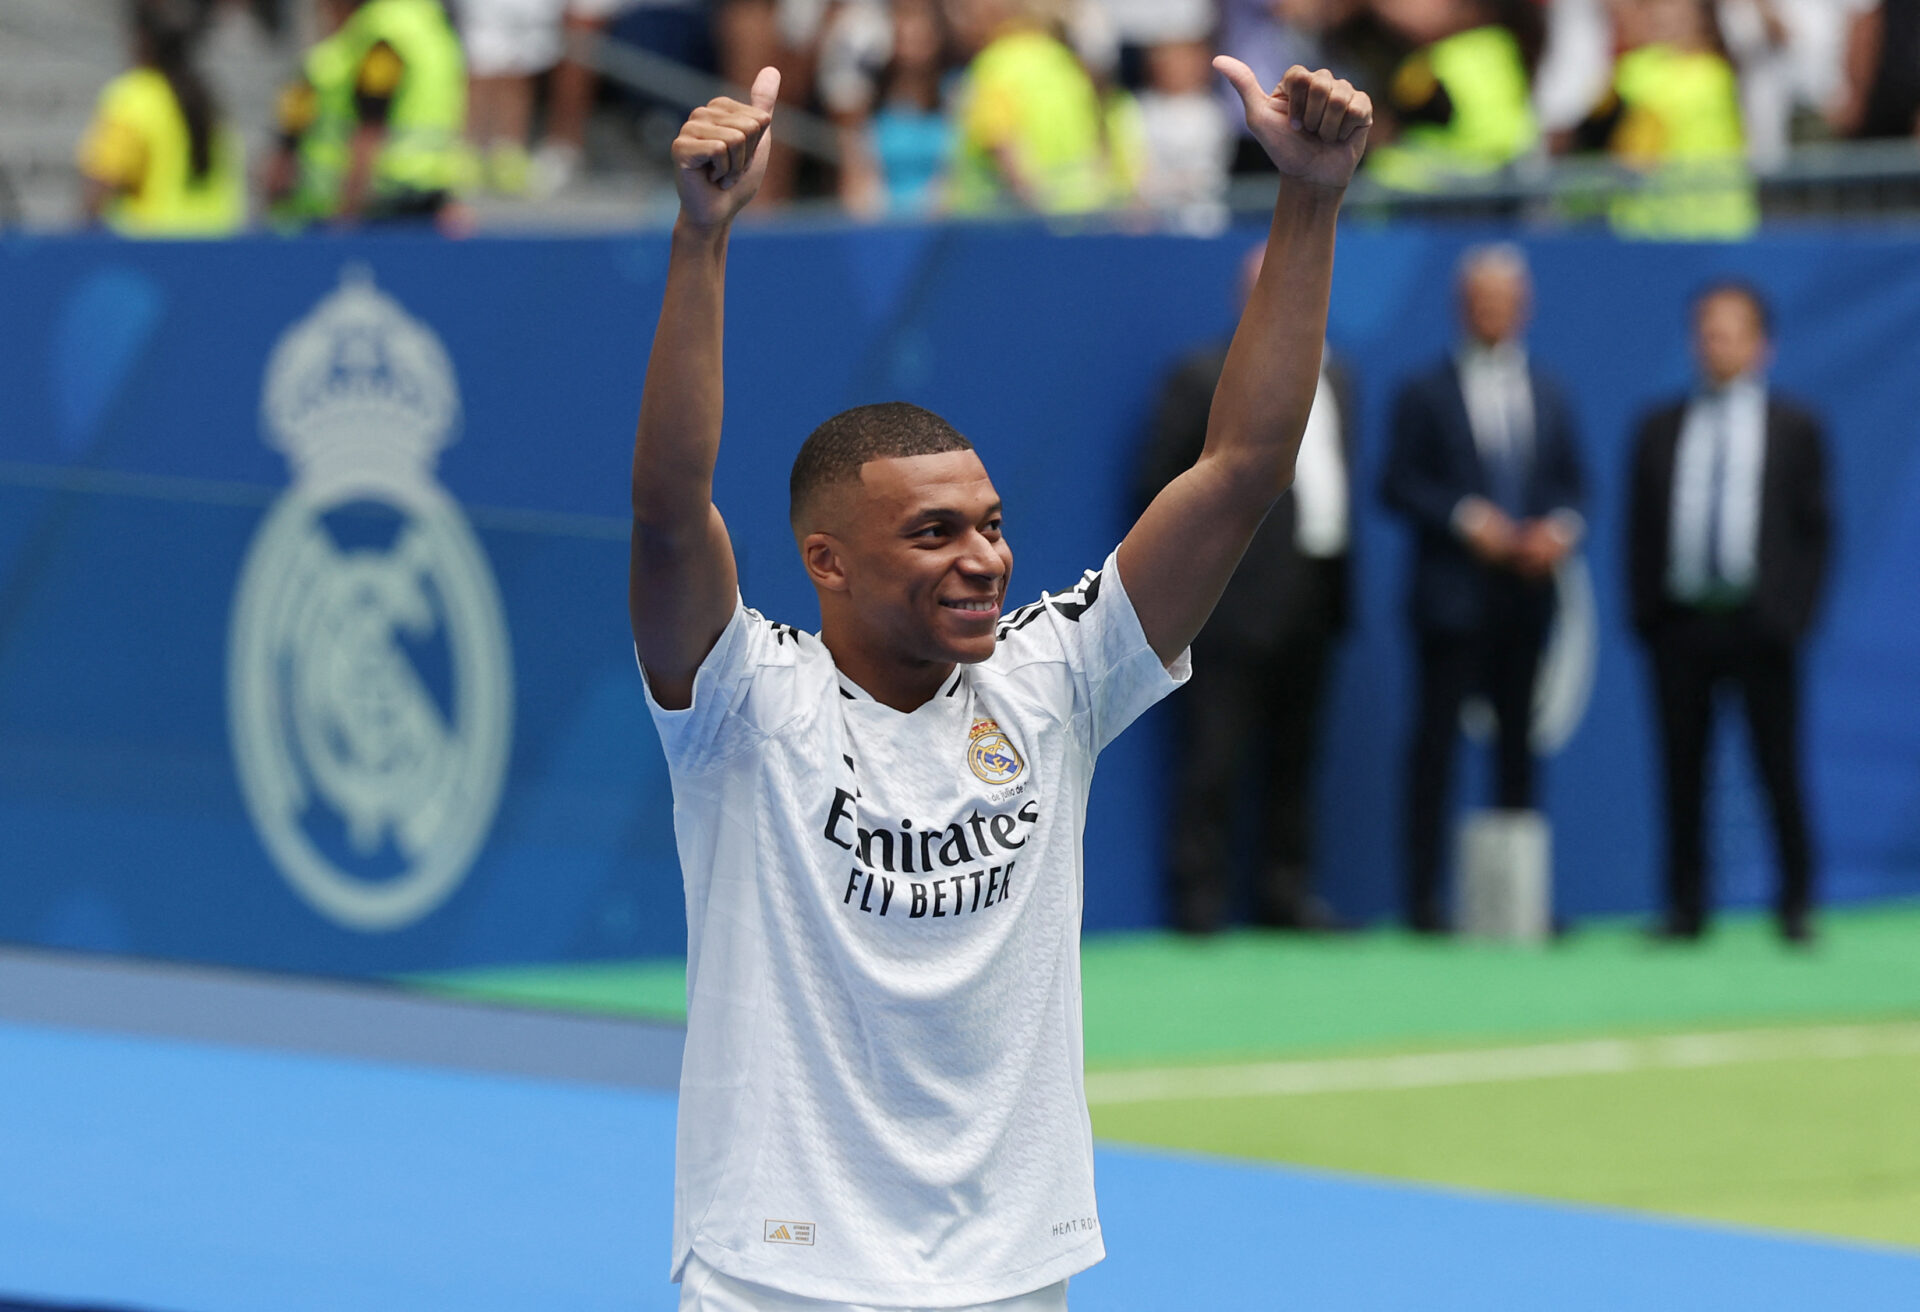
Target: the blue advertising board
(313, 651)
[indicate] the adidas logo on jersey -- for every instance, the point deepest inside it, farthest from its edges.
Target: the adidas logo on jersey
(790, 1232)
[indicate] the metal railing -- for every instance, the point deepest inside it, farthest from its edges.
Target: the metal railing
(684, 87)
(1840, 179)
(1837, 181)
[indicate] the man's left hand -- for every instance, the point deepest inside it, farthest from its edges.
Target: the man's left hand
(1313, 126)
(1542, 545)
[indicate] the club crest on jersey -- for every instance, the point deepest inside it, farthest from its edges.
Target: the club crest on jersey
(991, 754)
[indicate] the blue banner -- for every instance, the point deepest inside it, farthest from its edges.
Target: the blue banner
(313, 649)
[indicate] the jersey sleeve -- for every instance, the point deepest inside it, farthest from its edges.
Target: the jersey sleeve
(1093, 634)
(743, 692)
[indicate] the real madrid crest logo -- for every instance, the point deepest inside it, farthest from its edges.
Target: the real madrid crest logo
(369, 689)
(991, 754)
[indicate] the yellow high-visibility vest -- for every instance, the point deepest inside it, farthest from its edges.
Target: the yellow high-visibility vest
(1680, 122)
(319, 111)
(1484, 76)
(424, 150)
(426, 124)
(1027, 94)
(138, 144)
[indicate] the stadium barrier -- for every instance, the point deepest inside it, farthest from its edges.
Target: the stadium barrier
(313, 652)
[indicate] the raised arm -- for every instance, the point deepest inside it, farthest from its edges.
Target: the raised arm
(1179, 556)
(681, 582)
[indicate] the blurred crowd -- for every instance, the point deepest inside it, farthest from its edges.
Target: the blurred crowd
(396, 109)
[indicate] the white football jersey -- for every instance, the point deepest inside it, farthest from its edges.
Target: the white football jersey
(882, 1099)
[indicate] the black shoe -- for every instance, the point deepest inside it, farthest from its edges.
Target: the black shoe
(1196, 919)
(1307, 915)
(1796, 928)
(1676, 929)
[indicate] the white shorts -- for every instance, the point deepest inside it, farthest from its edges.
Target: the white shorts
(703, 1289)
(510, 38)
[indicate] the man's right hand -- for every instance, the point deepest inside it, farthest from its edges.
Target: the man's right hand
(720, 156)
(1487, 531)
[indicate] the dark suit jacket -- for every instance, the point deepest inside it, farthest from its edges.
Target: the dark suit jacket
(1270, 595)
(1432, 463)
(1796, 523)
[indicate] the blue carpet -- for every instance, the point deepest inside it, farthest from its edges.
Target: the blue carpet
(180, 1177)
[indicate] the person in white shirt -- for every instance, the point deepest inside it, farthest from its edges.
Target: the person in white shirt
(1189, 140)
(1730, 534)
(1247, 729)
(882, 1100)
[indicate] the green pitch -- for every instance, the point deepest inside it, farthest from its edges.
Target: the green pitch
(1735, 1081)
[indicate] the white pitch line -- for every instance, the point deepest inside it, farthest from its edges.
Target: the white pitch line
(1539, 1061)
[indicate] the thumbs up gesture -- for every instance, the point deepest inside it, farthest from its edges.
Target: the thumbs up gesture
(1313, 125)
(720, 156)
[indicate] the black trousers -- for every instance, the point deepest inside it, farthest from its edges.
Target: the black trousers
(1500, 661)
(1248, 724)
(1696, 655)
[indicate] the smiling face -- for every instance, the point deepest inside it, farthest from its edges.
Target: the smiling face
(910, 563)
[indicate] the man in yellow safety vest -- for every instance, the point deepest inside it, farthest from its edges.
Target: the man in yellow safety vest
(1673, 115)
(372, 128)
(1461, 104)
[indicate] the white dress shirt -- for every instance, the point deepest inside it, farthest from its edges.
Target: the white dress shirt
(1721, 455)
(1497, 386)
(1320, 480)
(1499, 397)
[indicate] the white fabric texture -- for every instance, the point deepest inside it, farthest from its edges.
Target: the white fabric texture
(1189, 148)
(1766, 77)
(510, 38)
(1577, 64)
(1320, 480)
(882, 1099)
(799, 21)
(704, 1289)
(1735, 415)
(1150, 22)
(855, 48)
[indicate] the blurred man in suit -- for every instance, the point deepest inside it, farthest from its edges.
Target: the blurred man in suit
(1729, 536)
(1260, 664)
(1484, 465)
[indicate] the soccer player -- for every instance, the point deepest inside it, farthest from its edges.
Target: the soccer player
(882, 1103)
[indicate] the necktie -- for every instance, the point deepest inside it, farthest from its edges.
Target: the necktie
(1717, 494)
(1508, 468)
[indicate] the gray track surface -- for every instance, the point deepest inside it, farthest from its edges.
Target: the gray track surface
(335, 1018)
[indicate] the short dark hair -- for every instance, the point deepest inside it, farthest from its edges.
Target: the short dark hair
(1746, 291)
(834, 452)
